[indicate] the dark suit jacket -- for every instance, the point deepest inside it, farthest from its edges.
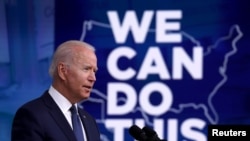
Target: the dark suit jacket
(42, 120)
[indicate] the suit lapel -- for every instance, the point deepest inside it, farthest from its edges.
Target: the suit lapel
(86, 123)
(58, 116)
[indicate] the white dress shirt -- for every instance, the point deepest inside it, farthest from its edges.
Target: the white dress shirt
(64, 105)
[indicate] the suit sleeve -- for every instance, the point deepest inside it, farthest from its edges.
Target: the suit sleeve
(25, 126)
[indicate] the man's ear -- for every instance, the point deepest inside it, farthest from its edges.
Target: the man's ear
(62, 70)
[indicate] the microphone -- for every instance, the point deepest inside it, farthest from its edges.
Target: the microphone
(137, 133)
(151, 134)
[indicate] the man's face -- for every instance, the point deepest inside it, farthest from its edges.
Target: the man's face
(81, 77)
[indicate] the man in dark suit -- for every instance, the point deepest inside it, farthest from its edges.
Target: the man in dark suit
(49, 117)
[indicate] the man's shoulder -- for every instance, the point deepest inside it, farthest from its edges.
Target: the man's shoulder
(34, 103)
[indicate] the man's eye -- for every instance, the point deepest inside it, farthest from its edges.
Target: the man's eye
(85, 69)
(89, 69)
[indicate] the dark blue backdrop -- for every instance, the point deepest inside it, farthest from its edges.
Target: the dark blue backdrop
(31, 30)
(220, 27)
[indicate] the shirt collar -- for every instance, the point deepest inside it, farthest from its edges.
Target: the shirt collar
(62, 102)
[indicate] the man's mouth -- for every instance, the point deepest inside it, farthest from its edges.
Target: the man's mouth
(88, 87)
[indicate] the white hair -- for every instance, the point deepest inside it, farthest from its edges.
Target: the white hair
(65, 53)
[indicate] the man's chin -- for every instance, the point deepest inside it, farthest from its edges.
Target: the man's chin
(85, 95)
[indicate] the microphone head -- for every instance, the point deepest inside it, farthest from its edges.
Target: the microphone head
(137, 133)
(149, 131)
(151, 134)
